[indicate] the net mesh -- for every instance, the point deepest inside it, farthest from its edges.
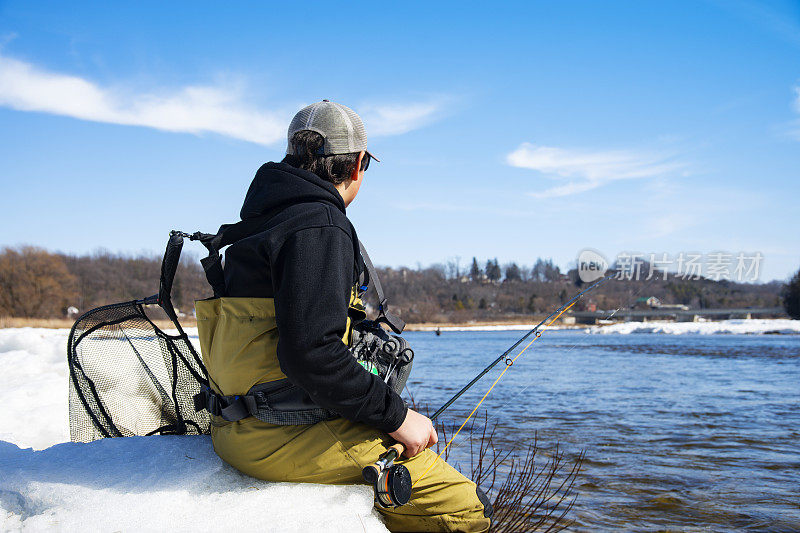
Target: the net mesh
(128, 377)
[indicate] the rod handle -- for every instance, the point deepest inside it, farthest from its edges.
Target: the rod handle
(371, 472)
(398, 448)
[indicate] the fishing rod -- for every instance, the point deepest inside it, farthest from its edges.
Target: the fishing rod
(392, 482)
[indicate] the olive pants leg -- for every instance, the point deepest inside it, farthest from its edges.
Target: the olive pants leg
(334, 452)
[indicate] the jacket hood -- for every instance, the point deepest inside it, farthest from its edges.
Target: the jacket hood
(277, 185)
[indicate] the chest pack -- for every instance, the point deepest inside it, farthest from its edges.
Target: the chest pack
(388, 356)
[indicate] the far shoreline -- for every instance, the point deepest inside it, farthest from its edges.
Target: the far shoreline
(736, 326)
(191, 322)
(500, 325)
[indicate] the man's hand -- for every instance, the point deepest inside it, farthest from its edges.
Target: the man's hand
(416, 433)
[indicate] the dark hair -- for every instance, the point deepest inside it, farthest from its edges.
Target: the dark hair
(307, 147)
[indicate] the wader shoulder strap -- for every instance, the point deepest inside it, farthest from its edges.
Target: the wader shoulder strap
(393, 321)
(230, 233)
(227, 234)
(169, 266)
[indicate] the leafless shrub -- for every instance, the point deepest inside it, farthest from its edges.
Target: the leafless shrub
(526, 495)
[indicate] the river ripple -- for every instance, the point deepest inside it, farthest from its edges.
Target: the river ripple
(681, 432)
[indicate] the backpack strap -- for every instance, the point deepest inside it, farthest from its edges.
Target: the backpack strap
(231, 233)
(227, 234)
(393, 321)
(169, 266)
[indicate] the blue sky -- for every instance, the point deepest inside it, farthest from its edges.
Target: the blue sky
(516, 131)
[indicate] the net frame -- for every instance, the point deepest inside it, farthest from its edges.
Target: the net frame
(144, 384)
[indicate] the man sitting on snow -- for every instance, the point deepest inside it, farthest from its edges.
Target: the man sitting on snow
(278, 338)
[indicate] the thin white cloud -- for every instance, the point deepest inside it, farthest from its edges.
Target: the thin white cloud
(586, 170)
(396, 119)
(193, 109)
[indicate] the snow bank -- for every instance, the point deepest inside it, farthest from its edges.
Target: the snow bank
(738, 327)
(133, 484)
(166, 483)
(34, 387)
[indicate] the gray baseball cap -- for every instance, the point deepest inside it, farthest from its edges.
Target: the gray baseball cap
(341, 127)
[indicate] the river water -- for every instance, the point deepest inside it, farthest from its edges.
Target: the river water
(681, 432)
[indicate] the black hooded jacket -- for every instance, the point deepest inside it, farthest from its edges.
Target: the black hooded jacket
(307, 260)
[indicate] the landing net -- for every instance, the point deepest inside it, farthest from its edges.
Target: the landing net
(129, 377)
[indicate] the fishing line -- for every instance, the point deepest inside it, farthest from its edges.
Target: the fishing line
(504, 355)
(547, 321)
(612, 314)
(509, 363)
(392, 482)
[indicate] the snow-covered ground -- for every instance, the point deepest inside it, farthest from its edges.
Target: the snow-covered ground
(33, 387)
(134, 484)
(164, 483)
(737, 327)
(173, 483)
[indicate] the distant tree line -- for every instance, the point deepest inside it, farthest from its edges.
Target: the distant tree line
(35, 283)
(491, 292)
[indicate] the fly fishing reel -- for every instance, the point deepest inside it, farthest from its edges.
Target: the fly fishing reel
(391, 482)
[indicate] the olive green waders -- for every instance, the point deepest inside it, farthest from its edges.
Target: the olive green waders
(334, 452)
(238, 340)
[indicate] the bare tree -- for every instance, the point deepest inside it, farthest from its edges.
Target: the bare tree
(454, 268)
(34, 283)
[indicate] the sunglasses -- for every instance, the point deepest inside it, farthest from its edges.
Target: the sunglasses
(365, 162)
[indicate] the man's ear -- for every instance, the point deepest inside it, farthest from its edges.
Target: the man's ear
(356, 169)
